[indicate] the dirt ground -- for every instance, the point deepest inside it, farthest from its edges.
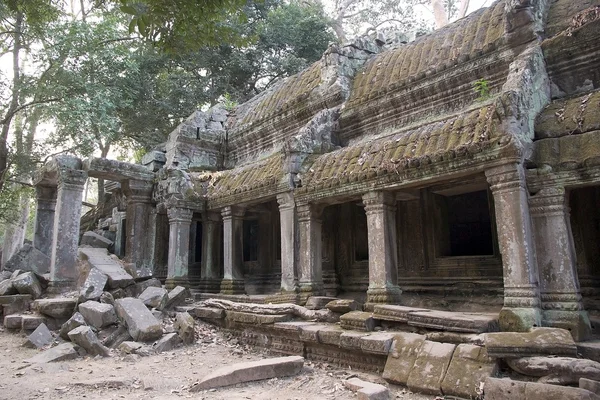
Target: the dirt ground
(165, 376)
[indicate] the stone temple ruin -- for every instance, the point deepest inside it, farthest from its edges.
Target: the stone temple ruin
(380, 174)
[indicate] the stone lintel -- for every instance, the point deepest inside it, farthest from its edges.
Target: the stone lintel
(118, 171)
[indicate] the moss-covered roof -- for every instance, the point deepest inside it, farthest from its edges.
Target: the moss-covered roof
(479, 33)
(263, 175)
(460, 135)
(560, 16)
(569, 116)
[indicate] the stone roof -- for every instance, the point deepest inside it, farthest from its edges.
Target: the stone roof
(568, 152)
(568, 116)
(479, 33)
(562, 13)
(457, 136)
(259, 178)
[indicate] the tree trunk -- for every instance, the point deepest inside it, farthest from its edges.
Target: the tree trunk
(14, 235)
(463, 8)
(439, 13)
(104, 149)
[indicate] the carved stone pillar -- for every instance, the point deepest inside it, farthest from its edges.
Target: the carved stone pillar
(559, 284)
(65, 236)
(287, 217)
(233, 257)
(44, 219)
(310, 273)
(210, 271)
(380, 208)
(141, 229)
(521, 296)
(180, 220)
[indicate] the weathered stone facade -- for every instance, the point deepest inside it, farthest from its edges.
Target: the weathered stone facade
(379, 172)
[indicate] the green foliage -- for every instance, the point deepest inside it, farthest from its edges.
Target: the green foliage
(482, 89)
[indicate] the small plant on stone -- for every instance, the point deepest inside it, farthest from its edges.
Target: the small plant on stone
(482, 88)
(228, 102)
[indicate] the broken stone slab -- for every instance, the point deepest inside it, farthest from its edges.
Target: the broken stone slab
(94, 284)
(130, 347)
(352, 339)
(99, 258)
(367, 390)
(176, 297)
(256, 319)
(468, 370)
(208, 313)
(154, 297)
(98, 314)
(141, 324)
(167, 343)
(251, 371)
(28, 258)
(120, 335)
(92, 239)
(358, 320)
(537, 342)
(75, 321)
(31, 322)
(62, 307)
(556, 370)
(456, 338)
(454, 321)
(39, 338)
(318, 302)
(388, 312)
(62, 352)
(508, 389)
(430, 367)
(27, 283)
(590, 384)
(145, 284)
(343, 306)
(185, 327)
(84, 336)
(7, 288)
(377, 343)
(14, 321)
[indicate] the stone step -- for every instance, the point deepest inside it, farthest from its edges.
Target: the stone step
(388, 312)
(589, 349)
(454, 321)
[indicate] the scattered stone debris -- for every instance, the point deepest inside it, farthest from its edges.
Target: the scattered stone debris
(367, 390)
(40, 337)
(84, 337)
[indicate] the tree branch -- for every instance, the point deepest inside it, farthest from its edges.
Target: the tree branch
(26, 105)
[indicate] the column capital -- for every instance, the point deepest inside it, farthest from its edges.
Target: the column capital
(177, 214)
(232, 212)
(379, 201)
(72, 179)
(45, 193)
(548, 201)
(138, 191)
(309, 211)
(286, 201)
(506, 177)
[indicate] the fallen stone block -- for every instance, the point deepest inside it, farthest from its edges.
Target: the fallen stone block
(358, 320)
(401, 359)
(430, 367)
(130, 347)
(39, 338)
(185, 327)
(537, 342)
(468, 370)
(92, 239)
(98, 314)
(31, 322)
(318, 302)
(120, 335)
(352, 340)
(14, 321)
(590, 384)
(107, 298)
(208, 313)
(167, 343)
(93, 286)
(556, 370)
(27, 283)
(454, 321)
(99, 258)
(251, 371)
(176, 297)
(507, 389)
(84, 336)
(62, 307)
(28, 258)
(141, 324)
(7, 288)
(75, 321)
(343, 306)
(367, 390)
(456, 338)
(154, 297)
(377, 343)
(145, 284)
(62, 352)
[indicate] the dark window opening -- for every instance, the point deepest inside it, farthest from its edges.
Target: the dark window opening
(198, 247)
(469, 225)
(251, 240)
(361, 235)
(123, 237)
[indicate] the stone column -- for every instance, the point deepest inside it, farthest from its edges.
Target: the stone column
(44, 219)
(380, 208)
(287, 217)
(210, 252)
(141, 229)
(180, 220)
(233, 257)
(65, 236)
(559, 285)
(310, 270)
(521, 296)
